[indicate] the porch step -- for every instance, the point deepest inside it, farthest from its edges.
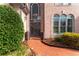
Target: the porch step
(35, 38)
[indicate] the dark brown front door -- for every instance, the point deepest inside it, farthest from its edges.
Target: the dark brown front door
(35, 28)
(35, 19)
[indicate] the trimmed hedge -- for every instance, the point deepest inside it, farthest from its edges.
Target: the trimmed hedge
(11, 29)
(71, 39)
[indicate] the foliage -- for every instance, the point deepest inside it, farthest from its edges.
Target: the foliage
(71, 39)
(22, 51)
(11, 29)
(59, 39)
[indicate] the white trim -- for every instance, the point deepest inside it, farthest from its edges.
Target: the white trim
(59, 25)
(66, 24)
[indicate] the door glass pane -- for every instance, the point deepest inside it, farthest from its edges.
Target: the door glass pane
(35, 12)
(35, 8)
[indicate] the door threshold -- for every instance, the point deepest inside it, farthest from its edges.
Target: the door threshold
(35, 38)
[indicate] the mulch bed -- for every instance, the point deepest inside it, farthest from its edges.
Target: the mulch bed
(51, 42)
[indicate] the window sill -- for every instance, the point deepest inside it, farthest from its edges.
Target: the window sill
(57, 35)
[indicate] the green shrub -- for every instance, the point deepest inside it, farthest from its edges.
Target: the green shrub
(71, 39)
(11, 29)
(22, 51)
(59, 39)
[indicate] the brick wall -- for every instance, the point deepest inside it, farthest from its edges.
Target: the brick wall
(50, 10)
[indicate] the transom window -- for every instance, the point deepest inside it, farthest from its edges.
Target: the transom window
(63, 23)
(35, 11)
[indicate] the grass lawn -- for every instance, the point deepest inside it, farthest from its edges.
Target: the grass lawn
(23, 51)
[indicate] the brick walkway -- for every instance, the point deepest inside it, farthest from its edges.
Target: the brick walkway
(43, 50)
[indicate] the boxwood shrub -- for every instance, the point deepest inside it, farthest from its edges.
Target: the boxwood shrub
(11, 29)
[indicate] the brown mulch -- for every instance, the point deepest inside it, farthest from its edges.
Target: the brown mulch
(52, 42)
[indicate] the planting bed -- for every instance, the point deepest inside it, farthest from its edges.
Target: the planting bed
(54, 43)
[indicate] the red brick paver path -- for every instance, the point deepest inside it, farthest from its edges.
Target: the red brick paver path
(43, 50)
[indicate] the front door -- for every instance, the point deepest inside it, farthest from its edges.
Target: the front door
(35, 19)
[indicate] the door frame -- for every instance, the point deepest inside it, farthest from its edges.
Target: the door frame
(42, 24)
